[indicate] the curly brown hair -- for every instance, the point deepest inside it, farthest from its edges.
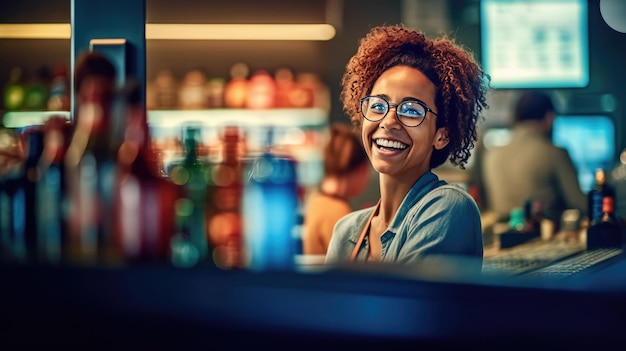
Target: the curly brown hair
(461, 83)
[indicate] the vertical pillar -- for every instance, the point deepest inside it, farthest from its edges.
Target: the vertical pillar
(117, 28)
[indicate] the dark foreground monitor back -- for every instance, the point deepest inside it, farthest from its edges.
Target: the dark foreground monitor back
(144, 307)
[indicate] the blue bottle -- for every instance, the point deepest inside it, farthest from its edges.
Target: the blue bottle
(270, 209)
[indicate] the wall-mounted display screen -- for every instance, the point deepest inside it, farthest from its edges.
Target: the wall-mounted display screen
(535, 43)
(590, 141)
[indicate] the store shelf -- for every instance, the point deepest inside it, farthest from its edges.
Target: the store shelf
(21, 119)
(298, 132)
(310, 117)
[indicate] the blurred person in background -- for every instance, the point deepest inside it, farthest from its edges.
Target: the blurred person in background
(94, 71)
(346, 174)
(530, 167)
(417, 102)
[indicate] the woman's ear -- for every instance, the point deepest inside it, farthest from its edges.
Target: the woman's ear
(441, 138)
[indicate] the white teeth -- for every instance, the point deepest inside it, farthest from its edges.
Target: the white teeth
(391, 144)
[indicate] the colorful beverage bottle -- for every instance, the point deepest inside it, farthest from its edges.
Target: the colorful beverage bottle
(270, 204)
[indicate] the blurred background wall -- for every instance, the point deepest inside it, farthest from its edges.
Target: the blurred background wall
(351, 18)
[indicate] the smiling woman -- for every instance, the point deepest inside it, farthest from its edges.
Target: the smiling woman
(417, 103)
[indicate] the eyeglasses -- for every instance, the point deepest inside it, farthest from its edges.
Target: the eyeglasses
(410, 113)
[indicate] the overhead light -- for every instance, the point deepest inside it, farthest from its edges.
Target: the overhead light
(36, 31)
(240, 31)
(318, 32)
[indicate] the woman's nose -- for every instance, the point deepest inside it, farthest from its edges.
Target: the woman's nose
(391, 119)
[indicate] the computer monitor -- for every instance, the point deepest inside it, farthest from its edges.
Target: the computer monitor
(590, 141)
(535, 43)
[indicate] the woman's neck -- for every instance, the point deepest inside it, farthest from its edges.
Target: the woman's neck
(392, 193)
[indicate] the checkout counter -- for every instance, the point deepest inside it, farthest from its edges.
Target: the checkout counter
(437, 306)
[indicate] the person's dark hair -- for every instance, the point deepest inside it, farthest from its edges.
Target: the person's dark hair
(90, 64)
(344, 151)
(533, 105)
(461, 83)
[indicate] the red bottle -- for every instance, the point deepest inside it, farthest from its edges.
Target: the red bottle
(224, 223)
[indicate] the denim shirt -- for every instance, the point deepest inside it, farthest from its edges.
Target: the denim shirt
(435, 218)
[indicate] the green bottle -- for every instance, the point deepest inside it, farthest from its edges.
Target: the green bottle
(14, 91)
(36, 93)
(192, 174)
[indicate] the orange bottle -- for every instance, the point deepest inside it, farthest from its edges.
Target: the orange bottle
(236, 89)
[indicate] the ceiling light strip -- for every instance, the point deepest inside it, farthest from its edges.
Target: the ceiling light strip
(36, 31)
(316, 32)
(240, 31)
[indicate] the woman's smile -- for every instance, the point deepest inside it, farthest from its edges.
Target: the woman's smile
(390, 144)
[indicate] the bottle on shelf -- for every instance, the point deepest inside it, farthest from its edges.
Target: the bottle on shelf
(192, 94)
(285, 84)
(162, 93)
(184, 253)
(19, 187)
(51, 216)
(301, 96)
(617, 179)
(261, 91)
(606, 231)
(595, 196)
(269, 209)
(236, 89)
(192, 174)
(311, 92)
(14, 90)
(144, 213)
(11, 152)
(215, 92)
(224, 222)
(37, 92)
(59, 98)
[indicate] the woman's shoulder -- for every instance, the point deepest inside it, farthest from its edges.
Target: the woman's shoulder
(452, 188)
(452, 195)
